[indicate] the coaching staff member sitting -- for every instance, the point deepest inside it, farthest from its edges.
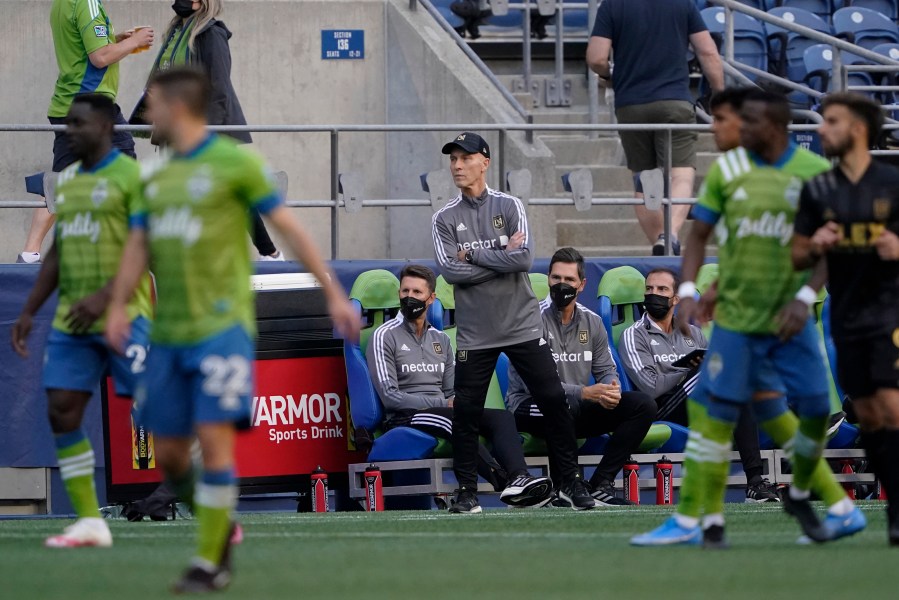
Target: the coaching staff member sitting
(412, 367)
(580, 347)
(481, 243)
(648, 350)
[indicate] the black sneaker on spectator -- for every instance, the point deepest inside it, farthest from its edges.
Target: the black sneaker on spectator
(525, 490)
(576, 495)
(604, 495)
(465, 503)
(761, 490)
(658, 249)
(713, 538)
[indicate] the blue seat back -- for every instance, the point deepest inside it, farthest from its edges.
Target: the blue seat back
(819, 59)
(822, 8)
(435, 314)
(868, 28)
(443, 7)
(502, 374)
(750, 37)
(365, 405)
(890, 8)
(796, 44)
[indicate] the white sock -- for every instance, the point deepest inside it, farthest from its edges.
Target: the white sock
(841, 508)
(686, 522)
(31, 257)
(710, 520)
(797, 494)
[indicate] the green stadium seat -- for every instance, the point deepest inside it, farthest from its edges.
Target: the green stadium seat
(540, 285)
(708, 274)
(620, 292)
(377, 292)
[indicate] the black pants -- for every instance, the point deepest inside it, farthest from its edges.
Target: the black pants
(470, 12)
(259, 234)
(628, 422)
(534, 362)
(498, 426)
(746, 434)
(62, 152)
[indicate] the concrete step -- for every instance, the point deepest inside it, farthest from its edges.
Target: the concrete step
(605, 232)
(579, 149)
(561, 116)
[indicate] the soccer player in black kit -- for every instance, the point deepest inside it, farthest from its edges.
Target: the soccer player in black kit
(849, 217)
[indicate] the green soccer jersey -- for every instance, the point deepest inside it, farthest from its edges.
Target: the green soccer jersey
(754, 205)
(93, 212)
(80, 27)
(198, 211)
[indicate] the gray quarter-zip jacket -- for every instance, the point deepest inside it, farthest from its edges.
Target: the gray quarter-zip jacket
(408, 372)
(495, 305)
(647, 353)
(580, 349)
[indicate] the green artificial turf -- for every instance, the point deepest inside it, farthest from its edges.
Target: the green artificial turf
(544, 553)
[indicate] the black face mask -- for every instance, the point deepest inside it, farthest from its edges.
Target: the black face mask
(183, 8)
(657, 306)
(412, 307)
(562, 294)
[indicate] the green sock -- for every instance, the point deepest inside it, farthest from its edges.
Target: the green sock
(183, 486)
(76, 467)
(825, 485)
(692, 488)
(215, 499)
(719, 441)
(808, 443)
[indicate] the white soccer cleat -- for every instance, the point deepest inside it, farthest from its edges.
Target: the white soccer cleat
(83, 533)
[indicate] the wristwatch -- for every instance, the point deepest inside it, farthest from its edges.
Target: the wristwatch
(469, 257)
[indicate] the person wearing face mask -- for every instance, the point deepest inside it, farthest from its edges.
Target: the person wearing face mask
(412, 367)
(584, 360)
(196, 37)
(648, 350)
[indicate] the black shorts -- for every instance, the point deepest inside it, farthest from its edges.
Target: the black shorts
(62, 154)
(868, 364)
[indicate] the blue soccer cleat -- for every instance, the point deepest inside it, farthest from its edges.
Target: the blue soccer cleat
(840, 526)
(669, 533)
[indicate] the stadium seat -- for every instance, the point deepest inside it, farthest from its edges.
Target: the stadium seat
(448, 300)
(890, 8)
(677, 440)
(818, 61)
(540, 285)
(708, 274)
(377, 293)
(750, 38)
(788, 47)
(822, 8)
(621, 291)
(435, 314)
(443, 7)
(865, 27)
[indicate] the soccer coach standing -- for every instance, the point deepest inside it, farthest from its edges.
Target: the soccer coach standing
(481, 245)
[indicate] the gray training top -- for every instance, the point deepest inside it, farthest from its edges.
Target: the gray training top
(647, 353)
(580, 349)
(408, 372)
(495, 305)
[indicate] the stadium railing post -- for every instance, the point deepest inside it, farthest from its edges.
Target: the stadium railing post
(666, 204)
(526, 47)
(335, 190)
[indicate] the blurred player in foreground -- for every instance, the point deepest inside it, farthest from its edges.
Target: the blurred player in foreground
(849, 217)
(199, 372)
(764, 337)
(96, 197)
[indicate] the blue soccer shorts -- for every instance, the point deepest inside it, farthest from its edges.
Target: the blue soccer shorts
(207, 382)
(737, 365)
(77, 362)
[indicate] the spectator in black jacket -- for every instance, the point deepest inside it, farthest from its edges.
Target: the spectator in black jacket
(196, 37)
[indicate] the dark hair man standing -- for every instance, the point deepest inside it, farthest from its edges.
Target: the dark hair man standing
(481, 244)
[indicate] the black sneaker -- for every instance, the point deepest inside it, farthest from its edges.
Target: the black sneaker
(528, 491)
(466, 503)
(760, 491)
(713, 538)
(604, 495)
(804, 513)
(197, 580)
(576, 495)
(658, 249)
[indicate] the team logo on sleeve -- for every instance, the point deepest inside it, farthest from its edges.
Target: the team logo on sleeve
(462, 355)
(499, 222)
(438, 347)
(690, 342)
(583, 336)
(100, 31)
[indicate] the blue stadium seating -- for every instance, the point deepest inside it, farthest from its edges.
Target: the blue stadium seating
(819, 61)
(864, 27)
(788, 47)
(750, 38)
(822, 8)
(890, 8)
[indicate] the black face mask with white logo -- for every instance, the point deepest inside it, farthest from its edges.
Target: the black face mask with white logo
(412, 307)
(657, 306)
(183, 8)
(562, 294)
